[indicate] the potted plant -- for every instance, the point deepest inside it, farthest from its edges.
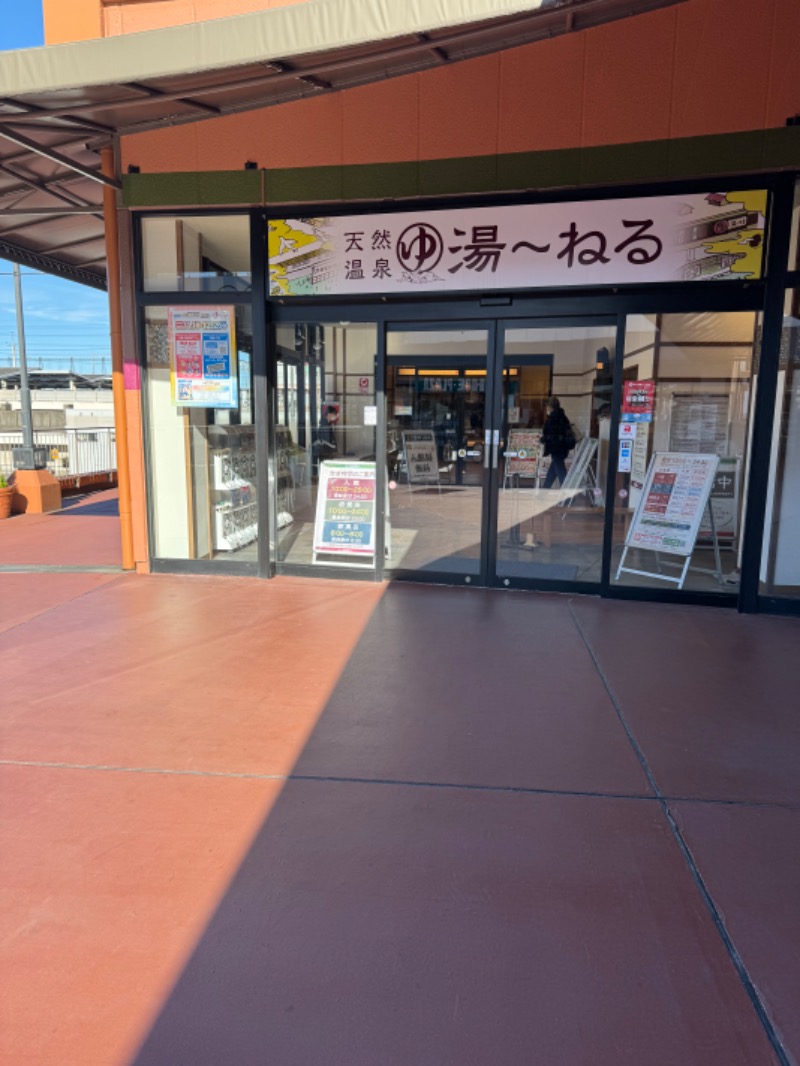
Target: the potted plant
(6, 495)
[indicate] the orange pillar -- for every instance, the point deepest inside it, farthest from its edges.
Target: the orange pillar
(117, 366)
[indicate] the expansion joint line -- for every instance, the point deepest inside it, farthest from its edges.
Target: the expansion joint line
(733, 953)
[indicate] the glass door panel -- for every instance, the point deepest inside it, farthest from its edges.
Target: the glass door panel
(325, 429)
(554, 431)
(437, 462)
(688, 388)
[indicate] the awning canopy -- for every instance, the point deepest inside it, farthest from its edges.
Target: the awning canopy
(60, 104)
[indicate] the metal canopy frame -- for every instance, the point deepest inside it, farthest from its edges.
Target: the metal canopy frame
(50, 138)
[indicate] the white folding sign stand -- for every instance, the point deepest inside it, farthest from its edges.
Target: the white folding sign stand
(580, 475)
(520, 463)
(424, 441)
(332, 554)
(693, 479)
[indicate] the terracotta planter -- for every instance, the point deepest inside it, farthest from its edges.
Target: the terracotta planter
(6, 496)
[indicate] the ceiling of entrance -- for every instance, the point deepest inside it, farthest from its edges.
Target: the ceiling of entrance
(59, 105)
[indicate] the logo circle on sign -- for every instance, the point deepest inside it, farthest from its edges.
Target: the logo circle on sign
(522, 454)
(363, 384)
(419, 248)
(462, 453)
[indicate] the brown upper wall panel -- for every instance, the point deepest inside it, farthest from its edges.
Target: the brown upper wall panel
(702, 67)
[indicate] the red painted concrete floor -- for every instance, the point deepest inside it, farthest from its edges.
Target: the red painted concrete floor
(300, 822)
(84, 533)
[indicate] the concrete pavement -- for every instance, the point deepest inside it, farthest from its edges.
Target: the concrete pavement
(307, 822)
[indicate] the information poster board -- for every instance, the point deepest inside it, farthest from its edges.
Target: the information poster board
(641, 445)
(638, 401)
(725, 504)
(202, 351)
(345, 516)
(422, 462)
(522, 454)
(674, 498)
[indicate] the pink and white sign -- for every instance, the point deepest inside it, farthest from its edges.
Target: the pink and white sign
(695, 237)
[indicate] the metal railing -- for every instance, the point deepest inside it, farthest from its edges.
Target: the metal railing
(70, 452)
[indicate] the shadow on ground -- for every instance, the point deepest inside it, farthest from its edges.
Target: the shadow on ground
(469, 865)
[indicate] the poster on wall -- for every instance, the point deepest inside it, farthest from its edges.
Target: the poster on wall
(691, 237)
(344, 523)
(674, 498)
(638, 401)
(627, 440)
(639, 454)
(202, 352)
(700, 422)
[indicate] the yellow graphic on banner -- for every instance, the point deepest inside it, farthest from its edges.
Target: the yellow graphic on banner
(297, 250)
(728, 241)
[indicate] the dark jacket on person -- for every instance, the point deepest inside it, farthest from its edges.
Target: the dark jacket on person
(557, 435)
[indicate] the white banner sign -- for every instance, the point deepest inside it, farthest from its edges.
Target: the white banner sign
(345, 517)
(673, 501)
(695, 237)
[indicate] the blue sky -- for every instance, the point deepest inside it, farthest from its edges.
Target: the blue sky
(21, 24)
(66, 325)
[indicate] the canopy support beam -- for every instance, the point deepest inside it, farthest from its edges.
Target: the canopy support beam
(56, 157)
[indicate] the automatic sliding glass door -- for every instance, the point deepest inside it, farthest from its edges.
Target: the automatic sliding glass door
(554, 418)
(497, 442)
(438, 396)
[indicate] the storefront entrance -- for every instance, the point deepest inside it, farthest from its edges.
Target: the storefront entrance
(385, 417)
(447, 420)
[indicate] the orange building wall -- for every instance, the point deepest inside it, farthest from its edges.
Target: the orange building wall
(127, 17)
(703, 67)
(71, 20)
(81, 20)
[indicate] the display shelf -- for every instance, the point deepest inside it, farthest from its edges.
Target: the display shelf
(233, 488)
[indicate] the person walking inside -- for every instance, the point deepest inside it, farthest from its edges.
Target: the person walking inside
(558, 440)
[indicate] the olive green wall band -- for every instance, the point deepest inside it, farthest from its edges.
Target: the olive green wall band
(645, 161)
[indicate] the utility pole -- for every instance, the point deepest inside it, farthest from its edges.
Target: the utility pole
(26, 412)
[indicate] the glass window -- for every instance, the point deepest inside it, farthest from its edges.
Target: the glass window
(198, 253)
(687, 391)
(202, 459)
(325, 443)
(794, 244)
(780, 565)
